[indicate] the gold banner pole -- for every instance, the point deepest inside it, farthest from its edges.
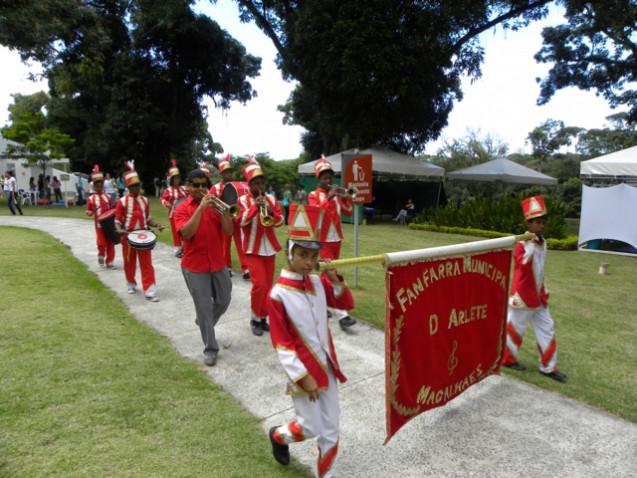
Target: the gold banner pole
(430, 253)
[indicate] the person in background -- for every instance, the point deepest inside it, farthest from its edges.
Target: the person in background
(334, 203)
(57, 189)
(41, 186)
(47, 188)
(97, 204)
(529, 298)
(157, 186)
(260, 214)
(170, 198)
(133, 212)
(121, 187)
(11, 192)
(301, 195)
(33, 190)
(286, 200)
(407, 213)
(109, 187)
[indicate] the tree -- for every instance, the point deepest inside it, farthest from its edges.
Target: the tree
(599, 141)
(127, 78)
(36, 141)
(596, 49)
(379, 71)
(548, 138)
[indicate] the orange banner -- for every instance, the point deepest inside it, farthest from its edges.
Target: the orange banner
(444, 332)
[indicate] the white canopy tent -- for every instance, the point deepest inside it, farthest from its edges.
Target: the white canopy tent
(502, 169)
(609, 213)
(618, 165)
(384, 161)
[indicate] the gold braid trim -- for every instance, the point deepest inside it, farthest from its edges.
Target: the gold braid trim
(395, 368)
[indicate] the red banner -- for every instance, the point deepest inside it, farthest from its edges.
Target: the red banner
(444, 332)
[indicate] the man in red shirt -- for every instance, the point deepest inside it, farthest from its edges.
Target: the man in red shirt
(203, 264)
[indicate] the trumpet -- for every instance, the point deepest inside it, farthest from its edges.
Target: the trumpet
(264, 213)
(341, 191)
(223, 208)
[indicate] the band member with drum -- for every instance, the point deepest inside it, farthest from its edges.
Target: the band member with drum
(97, 204)
(259, 215)
(132, 213)
(334, 202)
(225, 171)
(203, 227)
(171, 196)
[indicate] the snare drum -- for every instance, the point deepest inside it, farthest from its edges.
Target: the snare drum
(107, 221)
(142, 239)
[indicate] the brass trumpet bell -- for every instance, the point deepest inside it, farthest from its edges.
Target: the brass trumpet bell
(223, 208)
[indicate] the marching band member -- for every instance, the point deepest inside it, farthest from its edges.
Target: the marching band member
(225, 171)
(259, 215)
(171, 195)
(133, 212)
(202, 229)
(330, 230)
(529, 297)
(300, 334)
(98, 203)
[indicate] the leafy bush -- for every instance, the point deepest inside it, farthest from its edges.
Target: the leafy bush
(569, 243)
(495, 214)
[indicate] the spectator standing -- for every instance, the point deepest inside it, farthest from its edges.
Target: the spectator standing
(286, 200)
(33, 190)
(301, 195)
(79, 188)
(41, 185)
(47, 188)
(57, 189)
(157, 186)
(109, 187)
(10, 191)
(121, 187)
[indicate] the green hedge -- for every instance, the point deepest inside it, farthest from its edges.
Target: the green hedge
(567, 244)
(495, 214)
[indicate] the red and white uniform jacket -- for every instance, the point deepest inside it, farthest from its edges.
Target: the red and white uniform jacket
(256, 239)
(132, 212)
(297, 312)
(98, 204)
(527, 289)
(170, 195)
(330, 222)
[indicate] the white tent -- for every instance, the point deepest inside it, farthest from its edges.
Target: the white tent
(384, 161)
(618, 165)
(504, 170)
(609, 213)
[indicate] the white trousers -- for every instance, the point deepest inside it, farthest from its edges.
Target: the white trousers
(544, 329)
(318, 419)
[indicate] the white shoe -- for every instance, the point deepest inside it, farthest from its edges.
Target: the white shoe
(131, 289)
(152, 298)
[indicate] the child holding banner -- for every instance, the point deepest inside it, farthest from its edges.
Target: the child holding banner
(298, 326)
(529, 298)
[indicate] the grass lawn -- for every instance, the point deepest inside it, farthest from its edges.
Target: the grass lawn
(87, 390)
(594, 315)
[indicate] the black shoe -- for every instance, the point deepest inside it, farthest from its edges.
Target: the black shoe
(346, 322)
(230, 272)
(246, 276)
(255, 326)
(280, 452)
(515, 366)
(555, 375)
(210, 359)
(264, 325)
(179, 253)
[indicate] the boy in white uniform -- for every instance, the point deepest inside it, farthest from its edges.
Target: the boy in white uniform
(297, 310)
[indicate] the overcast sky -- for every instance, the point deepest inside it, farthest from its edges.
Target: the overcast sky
(502, 103)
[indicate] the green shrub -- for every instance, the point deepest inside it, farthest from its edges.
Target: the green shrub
(569, 243)
(495, 214)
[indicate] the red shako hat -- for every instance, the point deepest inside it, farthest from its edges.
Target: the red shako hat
(224, 163)
(130, 176)
(96, 174)
(533, 207)
(251, 169)
(173, 170)
(205, 168)
(321, 165)
(303, 222)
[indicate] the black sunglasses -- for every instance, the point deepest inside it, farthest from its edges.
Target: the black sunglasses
(199, 185)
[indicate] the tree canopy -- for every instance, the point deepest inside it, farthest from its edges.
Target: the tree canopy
(595, 49)
(127, 78)
(379, 71)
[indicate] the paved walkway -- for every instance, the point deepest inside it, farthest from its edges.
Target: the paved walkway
(498, 428)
